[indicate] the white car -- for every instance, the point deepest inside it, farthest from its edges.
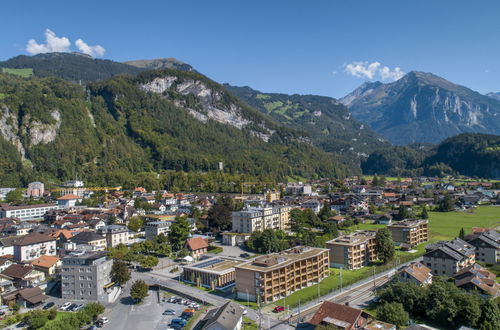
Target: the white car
(245, 312)
(65, 306)
(104, 320)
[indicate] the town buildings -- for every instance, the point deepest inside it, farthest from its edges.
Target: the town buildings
(271, 277)
(90, 238)
(411, 232)
(448, 258)
(227, 317)
(487, 245)
(85, 276)
(476, 277)
(417, 273)
(197, 247)
(155, 228)
(35, 189)
(353, 251)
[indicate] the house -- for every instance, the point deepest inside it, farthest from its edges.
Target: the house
(339, 316)
(234, 239)
(32, 246)
(7, 246)
(448, 258)
(416, 273)
(197, 246)
(35, 189)
(478, 278)
(114, 234)
(27, 297)
(96, 223)
(46, 264)
(91, 238)
(23, 275)
(4, 263)
(227, 317)
(385, 219)
(338, 219)
(487, 245)
(68, 201)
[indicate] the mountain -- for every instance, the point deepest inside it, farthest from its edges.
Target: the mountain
(328, 123)
(161, 63)
(494, 95)
(422, 107)
(469, 154)
(111, 131)
(75, 67)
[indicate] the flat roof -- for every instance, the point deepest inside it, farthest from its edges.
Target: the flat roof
(216, 265)
(282, 259)
(355, 238)
(23, 207)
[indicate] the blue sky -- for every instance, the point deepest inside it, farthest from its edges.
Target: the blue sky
(306, 47)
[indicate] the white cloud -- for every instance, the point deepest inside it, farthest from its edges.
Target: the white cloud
(374, 70)
(94, 51)
(53, 43)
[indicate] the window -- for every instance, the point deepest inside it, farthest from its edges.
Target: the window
(88, 270)
(81, 270)
(81, 277)
(90, 285)
(89, 278)
(81, 285)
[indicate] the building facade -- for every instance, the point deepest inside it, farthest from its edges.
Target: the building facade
(35, 189)
(275, 276)
(114, 235)
(448, 258)
(155, 228)
(32, 246)
(213, 273)
(85, 275)
(487, 245)
(353, 251)
(26, 212)
(254, 219)
(412, 232)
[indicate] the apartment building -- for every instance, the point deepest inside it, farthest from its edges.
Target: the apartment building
(271, 277)
(114, 234)
(26, 212)
(487, 245)
(412, 232)
(155, 228)
(253, 219)
(85, 276)
(353, 251)
(448, 258)
(32, 246)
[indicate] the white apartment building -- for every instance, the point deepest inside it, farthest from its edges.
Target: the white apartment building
(254, 219)
(114, 234)
(32, 246)
(26, 212)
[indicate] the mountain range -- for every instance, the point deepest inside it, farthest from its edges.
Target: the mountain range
(146, 116)
(422, 107)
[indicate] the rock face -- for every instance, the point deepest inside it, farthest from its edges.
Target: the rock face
(422, 107)
(204, 102)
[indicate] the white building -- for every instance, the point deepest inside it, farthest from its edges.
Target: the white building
(114, 234)
(155, 228)
(26, 212)
(253, 219)
(68, 201)
(32, 246)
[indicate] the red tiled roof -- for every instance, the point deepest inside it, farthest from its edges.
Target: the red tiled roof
(197, 243)
(45, 261)
(17, 271)
(333, 311)
(68, 197)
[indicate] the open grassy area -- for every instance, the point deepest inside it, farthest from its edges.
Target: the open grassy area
(249, 324)
(25, 73)
(446, 225)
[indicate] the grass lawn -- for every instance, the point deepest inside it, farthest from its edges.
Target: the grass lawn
(446, 225)
(249, 324)
(193, 320)
(25, 73)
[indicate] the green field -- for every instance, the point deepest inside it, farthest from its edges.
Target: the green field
(25, 73)
(446, 225)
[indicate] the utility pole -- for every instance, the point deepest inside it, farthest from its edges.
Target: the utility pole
(298, 316)
(340, 274)
(260, 311)
(374, 277)
(318, 291)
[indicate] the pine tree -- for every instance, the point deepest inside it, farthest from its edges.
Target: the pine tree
(461, 235)
(424, 214)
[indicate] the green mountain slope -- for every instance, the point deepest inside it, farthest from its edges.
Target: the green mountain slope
(160, 120)
(470, 154)
(328, 123)
(161, 63)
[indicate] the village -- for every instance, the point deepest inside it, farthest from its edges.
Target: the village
(301, 254)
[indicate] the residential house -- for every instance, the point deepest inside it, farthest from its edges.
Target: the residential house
(5, 263)
(416, 273)
(339, 316)
(47, 264)
(68, 201)
(448, 258)
(7, 246)
(91, 238)
(476, 277)
(27, 297)
(115, 234)
(487, 245)
(312, 204)
(23, 275)
(32, 246)
(197, 247)
(227, 317)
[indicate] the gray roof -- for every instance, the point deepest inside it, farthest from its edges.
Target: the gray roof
(86, 236)
(456, 249)
(225, 317)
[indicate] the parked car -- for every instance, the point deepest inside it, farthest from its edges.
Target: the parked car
(78, 307)
(278, 309)
(172, 299)
(169, 312)
(186, 315)
(65, 306)
(49, 305)
(244, 255)
(104, 320)
(178, 320)
(245, 312)
(72, 307)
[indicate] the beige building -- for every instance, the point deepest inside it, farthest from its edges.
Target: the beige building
(213, 273)
(275, 276)
(114, 235)
(254, 219)
(412, 232)
(353, 251)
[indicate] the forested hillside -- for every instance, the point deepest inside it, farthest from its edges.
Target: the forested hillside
(54, 130)
(470, 154)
